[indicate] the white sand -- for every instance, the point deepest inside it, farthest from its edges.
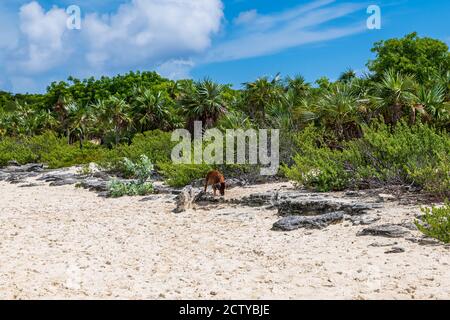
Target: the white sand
(63, 242)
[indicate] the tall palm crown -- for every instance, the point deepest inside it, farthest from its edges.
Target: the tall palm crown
(261, 95)
(396, 90)
(151, 111)
(203, 101)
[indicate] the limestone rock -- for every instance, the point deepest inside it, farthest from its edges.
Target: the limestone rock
(384, 197)
(310, 222)
(385, 230)
(395, 250)
(185, 199)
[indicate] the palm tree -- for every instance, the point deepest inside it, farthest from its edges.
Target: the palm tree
(298, 87)
(151, 111)
(337, 109)
(116, 116)
(431, 103)
(260, 95)
(22, 118)
(347, 76)
(396, 90)
(60, 108)
(79, 118)
(202, 101)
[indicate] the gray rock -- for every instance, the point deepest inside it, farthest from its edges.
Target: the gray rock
(3, 176)
(310, 222)
(94, 185)
(207, 197)
(185, 199)
(379, 245)
(15, 178)
(395, 250)
(57, 176)
(425, 241)
(386, 230)
(30, 185)
(383, 197)
(31, 167)
(317, 206)
(365, 219)
(64, 182)
(354, 194)
(158, 189)
(258, 199)
(409, 225)
(304, 207)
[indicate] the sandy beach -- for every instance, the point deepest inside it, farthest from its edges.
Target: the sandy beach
(67, 242)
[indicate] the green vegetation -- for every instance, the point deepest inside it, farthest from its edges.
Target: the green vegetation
(403, 155)
(49, 149)
(388, 126)
(141, 171)
(436, 222)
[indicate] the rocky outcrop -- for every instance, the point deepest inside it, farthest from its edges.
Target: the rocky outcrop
(385, 230)
(364, 219)
(97, 185)
(16, 174)
(307, 206)
(31, 167)
(186, 199)
(310, 222)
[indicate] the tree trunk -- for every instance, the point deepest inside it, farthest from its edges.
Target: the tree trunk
(116, 130)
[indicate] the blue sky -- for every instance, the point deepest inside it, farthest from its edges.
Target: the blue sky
(231, 41)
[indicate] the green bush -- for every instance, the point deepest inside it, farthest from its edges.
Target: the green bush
(436, 222)
(179, 175)
(49, 149)
(156, 145)
(316, 165)
(12, 149)
(405, 154)
(142, 171)
(117, 189)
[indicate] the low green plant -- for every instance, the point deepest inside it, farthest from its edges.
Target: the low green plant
(117, 189)
(436, 222)
(156, 145)
(141, 171)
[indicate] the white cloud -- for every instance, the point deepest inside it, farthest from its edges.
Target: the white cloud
(176, 69)
(151, 31)
(139, 34)
(171, 36)
(246, 17)
(43, 32)
(259, 35)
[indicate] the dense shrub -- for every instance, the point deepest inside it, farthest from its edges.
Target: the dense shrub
(141, 171)
(405, 154)
(49, 149)
(179, 175)
(436, 222)
(12, 149)
(156, 145)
